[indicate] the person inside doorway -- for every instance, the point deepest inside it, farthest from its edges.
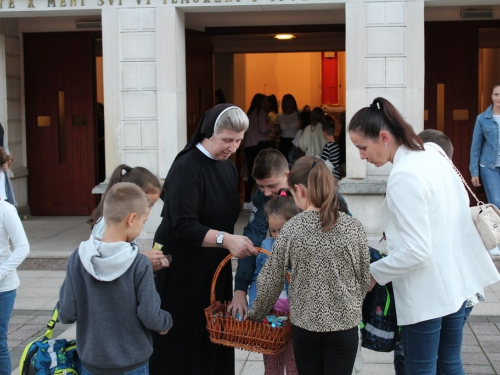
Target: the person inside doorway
(255, 140)
(289, 123)
(312, 140)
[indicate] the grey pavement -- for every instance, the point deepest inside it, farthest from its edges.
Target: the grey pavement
(53, 239)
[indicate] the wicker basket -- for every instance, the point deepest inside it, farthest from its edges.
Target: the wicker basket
(247, 335)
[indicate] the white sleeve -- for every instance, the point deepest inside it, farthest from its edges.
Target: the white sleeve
(298, 137)
(15, 231)
(406, 200)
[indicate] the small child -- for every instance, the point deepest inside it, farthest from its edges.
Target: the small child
(278, 211)
(150, 184)
(331, 151)
(140, 176)
(109, 289)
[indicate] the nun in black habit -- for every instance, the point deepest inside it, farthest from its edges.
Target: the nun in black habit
(201, 206)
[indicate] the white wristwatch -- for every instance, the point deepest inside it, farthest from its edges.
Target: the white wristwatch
(219, 239)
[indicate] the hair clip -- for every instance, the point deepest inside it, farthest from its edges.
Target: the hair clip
(127, 169)
(283, 193)
(314, 164)
(375, 105)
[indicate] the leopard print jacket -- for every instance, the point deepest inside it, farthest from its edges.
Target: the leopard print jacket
(330, 273)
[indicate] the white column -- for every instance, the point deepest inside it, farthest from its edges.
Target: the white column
(144, 87)
(144, 91)
(171, 81)
(384, 57)
(11, 114)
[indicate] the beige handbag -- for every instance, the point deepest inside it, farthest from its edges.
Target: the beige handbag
(486, 217)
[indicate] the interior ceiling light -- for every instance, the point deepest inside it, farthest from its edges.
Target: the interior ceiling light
(284, 36)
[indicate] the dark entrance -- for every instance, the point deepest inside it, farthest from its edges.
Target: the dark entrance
(61, 122)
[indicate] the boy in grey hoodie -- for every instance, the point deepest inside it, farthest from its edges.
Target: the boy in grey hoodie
(109, 289)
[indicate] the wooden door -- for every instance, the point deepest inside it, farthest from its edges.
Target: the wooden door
(199, 77)
(451, 53)
(451, 84)
(60, 122)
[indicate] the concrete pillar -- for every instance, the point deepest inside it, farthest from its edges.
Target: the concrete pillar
(11, 108)
(144, 87)
(385, 57)
(144, 91)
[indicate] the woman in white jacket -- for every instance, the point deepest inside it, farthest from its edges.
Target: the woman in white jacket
(436, 258)
(10, 228)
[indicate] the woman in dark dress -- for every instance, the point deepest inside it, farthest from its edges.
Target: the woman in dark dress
(201, 206)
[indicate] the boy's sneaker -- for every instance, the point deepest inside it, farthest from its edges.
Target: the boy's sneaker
(247, 206)
(495, 252)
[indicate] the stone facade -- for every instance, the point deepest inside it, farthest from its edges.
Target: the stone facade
(384, 42)
(145, 69)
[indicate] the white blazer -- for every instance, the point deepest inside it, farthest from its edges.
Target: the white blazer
(436, 258)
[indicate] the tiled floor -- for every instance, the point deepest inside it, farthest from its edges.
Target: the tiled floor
(39, 290)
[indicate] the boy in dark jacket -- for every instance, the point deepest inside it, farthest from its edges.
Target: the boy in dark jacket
(109, 289)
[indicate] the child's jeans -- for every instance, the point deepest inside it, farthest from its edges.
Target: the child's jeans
(275, 364)
(143, 370)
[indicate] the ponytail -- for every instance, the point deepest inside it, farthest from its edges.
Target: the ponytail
(321, 187)
(282, 205)
(139, 176)
(382, 115)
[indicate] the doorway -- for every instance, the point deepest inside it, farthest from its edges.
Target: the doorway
(61, 122)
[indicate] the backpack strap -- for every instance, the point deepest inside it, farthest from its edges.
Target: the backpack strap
(51, 324)
(27, 354)
(387, 301)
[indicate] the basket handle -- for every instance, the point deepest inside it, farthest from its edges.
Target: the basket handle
(221, 265)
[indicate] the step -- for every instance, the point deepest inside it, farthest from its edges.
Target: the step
(57, 260)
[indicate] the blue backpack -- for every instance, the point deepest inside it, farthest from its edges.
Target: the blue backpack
(379, 329)
(45, 356)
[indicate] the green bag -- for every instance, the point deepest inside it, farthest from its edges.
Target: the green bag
(45, 356)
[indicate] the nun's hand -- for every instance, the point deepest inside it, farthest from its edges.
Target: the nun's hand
(239, 246)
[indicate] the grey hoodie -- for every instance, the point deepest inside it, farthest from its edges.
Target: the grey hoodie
(109, 289)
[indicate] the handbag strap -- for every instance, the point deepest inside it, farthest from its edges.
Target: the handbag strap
(461, 177)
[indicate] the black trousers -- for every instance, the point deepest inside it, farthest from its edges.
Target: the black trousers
(285, 146)
(325, 353)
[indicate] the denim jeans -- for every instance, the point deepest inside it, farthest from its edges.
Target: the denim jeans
(399, 360)
(143, 370)
(437, 341)
(6, 306)
(491, 182)
(468, 310)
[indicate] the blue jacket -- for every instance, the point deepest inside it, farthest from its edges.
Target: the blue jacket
(484, 148)
(262, 258)
(256, 231)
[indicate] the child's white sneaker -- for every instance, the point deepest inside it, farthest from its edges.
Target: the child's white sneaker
(495, 251)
